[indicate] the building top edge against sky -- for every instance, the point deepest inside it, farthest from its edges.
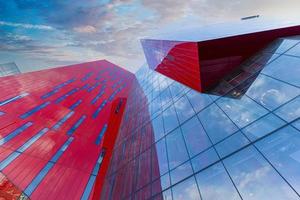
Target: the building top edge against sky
(201, 58)
(222, 30)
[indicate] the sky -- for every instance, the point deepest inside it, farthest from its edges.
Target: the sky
(39, 34)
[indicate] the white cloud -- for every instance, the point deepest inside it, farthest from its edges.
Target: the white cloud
(113, 31)
(85, 29)
(26, 26)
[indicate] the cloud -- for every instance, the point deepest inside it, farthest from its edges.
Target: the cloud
(112, 30)
(26, 26)
(85, 29)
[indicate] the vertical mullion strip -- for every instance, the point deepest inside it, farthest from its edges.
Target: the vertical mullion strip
(100, 136)
(76, 104)
(32, 140)
(38, 179)
(34, 110)
(7, 101)
(15, 133)
(63, 97)
(63, 120)
(76, 125)
(98, 164)
(96, 113)
(32, 186)
(8, 160)
(57, 88)
(87, 191)
(88, 188)
(25, 146)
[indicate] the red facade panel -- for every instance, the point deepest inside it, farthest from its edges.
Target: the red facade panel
(174, 59)
(50, 126)
(202, 64)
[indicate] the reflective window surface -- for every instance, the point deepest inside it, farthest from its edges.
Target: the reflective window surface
(282, 149)
(255, 178)
(195, 136)
(177, 152)
(160, 151)
(241, 143)
(216, 123)
(184, 109)
(285, 68)
(231, 144)
(241, 111)
(290, 111)
(181, 172)
(270, 92)
(198, 101)
(204, 159)
(296, 124)
(170, 119)
(186, 190)
(263, 126)
(158, 127)
(215, 183)
(284, 45)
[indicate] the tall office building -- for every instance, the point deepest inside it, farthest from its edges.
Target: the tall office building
(96, 131)
(52, 125)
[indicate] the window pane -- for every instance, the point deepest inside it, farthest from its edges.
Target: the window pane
(170, 119)
(176, 148)
(282, 149)
(255, 178)
(165, 96)
(295, 51)
(155, 106)
(263, 127)
(181, 172)
(156, 92)
(158, 127)
(195, 136)
(216, 123)
(184, 109)
(198, 100)
(281, 45)
(186, 190)
(296, 124)
(204, 159)
(286, 68)
(160, 184)
(270, 92)
(176, 89)
(214, 183)
(231, 144)
(159, 158)
(290, 111)
(166, 195)
(242, 111)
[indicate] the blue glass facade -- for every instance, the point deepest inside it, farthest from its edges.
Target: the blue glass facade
(240, 141)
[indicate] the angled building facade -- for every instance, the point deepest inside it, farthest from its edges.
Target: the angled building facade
(241, 142)
(95, 131)
(53, 124)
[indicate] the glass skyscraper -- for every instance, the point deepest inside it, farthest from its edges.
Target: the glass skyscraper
(176, 143)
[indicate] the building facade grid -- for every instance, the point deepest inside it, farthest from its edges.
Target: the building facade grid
(240, 142)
